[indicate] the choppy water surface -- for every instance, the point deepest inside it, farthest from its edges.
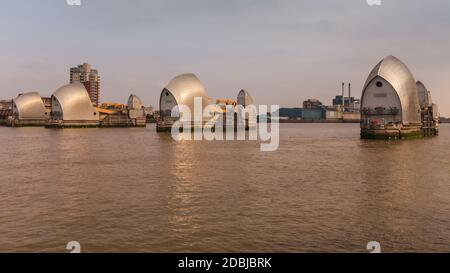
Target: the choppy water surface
(133, 190)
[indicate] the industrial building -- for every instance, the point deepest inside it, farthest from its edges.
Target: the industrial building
(390, 105)
(312, 104)
(181, 91)
(28, 109)
(351, 104)
(293, 114)
(333, 113)
(344, 109)
(313, 114)
(313, 110)
(348, 106)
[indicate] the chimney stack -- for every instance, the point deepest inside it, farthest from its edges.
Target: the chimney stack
(343, 96)
(350, 98)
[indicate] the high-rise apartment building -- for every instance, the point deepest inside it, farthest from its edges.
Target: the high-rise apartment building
(90, 78)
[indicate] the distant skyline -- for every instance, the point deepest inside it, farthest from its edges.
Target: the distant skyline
(282, 51)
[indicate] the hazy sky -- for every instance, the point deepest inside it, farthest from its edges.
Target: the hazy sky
(282, 51)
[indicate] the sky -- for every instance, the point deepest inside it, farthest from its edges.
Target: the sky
(282, 51)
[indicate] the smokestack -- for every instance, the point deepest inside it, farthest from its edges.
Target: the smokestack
(349, 90)
(349, 97)
(343, 96)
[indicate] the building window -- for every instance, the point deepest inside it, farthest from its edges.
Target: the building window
(379, 84)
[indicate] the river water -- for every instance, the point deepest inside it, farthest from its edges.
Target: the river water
(134, 190)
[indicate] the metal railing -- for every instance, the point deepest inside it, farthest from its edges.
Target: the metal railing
(380, 111)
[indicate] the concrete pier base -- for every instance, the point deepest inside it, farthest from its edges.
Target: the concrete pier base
(412, 132)
(72, 124)
(28, 123)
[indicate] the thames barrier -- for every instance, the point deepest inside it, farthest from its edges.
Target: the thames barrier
(71, 107)
(395, 106)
